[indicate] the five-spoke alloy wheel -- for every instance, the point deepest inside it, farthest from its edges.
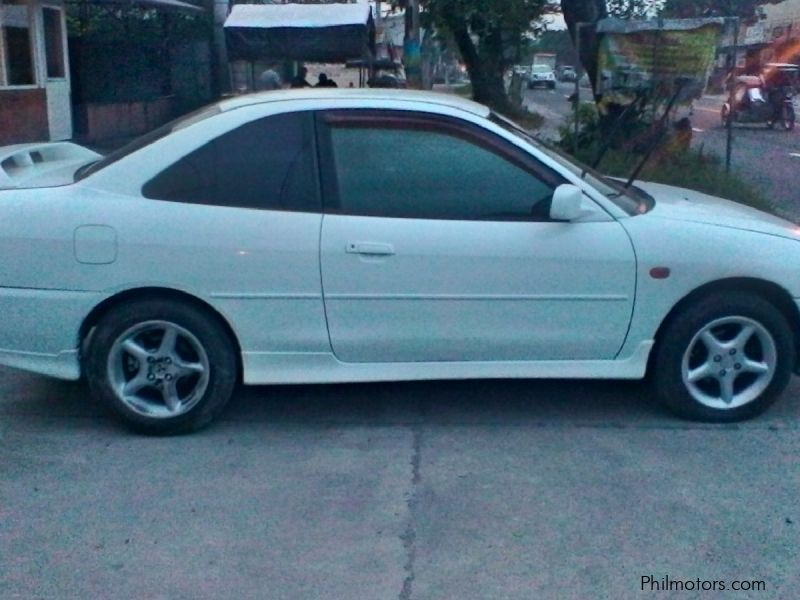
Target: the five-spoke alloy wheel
(165, 367)
(730, 362)
(158, 369)
(724, 358)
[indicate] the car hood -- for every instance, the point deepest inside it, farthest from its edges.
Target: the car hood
(681, 204)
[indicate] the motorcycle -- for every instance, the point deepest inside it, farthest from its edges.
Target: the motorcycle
(756, 102)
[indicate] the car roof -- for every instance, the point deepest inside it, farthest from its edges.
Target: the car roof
(368, 95)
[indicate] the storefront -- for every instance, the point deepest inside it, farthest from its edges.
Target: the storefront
(34, 72)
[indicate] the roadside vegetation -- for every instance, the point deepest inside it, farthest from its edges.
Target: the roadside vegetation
(492, 36)
(672, 162)
(528, 119)
(688, 169)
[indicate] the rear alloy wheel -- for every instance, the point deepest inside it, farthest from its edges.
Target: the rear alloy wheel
(163, 367)
(726, 358)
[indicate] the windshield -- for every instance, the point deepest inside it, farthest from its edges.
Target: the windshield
(146, 140)
(541, 69)
(632, 200)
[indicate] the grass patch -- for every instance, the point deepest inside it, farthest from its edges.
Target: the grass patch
(527, 119)
(689, 169)
(463, 90)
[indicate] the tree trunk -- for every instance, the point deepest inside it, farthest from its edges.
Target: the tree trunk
(485, 71)
(585, 11)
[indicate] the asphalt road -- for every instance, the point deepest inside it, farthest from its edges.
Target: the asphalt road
(553, 106)
(769, 159)
(487, 489)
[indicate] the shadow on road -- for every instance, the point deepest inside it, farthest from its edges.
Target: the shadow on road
(514, 403)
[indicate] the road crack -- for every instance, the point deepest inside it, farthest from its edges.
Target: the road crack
(409, 536)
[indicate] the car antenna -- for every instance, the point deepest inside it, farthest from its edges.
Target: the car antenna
(680, 83)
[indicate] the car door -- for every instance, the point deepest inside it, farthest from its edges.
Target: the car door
(240, 217)
(437, 246)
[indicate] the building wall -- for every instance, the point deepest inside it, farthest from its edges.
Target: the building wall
(781, 27)
(35, 107)
(23, 116)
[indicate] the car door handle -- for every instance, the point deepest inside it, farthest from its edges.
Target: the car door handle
(370, 249)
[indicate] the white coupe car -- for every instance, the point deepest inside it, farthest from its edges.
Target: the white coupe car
(374, 235)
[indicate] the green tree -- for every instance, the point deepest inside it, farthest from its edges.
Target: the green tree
(683, 9)
(585, 11)
(556, 41)
(490, 36)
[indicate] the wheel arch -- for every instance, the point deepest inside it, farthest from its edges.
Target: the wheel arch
(770, 291)
(151, 293)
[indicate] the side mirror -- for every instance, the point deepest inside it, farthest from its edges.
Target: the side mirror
(566, 204)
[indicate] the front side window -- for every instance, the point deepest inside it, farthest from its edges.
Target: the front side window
(632, 200)
(16, 40)
(426, 168)
(265, 164)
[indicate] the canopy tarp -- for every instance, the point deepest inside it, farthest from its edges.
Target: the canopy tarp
(304, 32)
(166, 5)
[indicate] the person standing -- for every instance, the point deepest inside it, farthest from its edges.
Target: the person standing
(269, 80)
(299, 80)
(324, 81)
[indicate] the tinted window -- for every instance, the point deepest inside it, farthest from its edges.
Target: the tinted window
(267, 164)
(425, 172)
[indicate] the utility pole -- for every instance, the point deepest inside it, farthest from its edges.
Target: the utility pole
(412, 58)
(732, 94)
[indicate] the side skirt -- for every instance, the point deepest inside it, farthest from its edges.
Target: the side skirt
(291, 368)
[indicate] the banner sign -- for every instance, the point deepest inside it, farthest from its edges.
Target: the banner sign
(656, 58)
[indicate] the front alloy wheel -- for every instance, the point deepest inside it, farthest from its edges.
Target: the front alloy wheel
(729, 363)
(725, 357)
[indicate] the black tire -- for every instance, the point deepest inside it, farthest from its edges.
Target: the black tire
(552, 85)
(197, 364)
(787, 118)
(681, 385)
(725, 115)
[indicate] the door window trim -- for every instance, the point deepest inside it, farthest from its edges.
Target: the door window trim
(419, 121)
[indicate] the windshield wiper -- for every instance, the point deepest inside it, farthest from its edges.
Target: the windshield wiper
(610, 137)
(660, 127)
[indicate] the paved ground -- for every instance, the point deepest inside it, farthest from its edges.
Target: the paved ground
(438, 490)
(767, 158)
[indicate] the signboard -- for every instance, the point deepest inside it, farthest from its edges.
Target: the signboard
(656, 58)
(755, 34)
